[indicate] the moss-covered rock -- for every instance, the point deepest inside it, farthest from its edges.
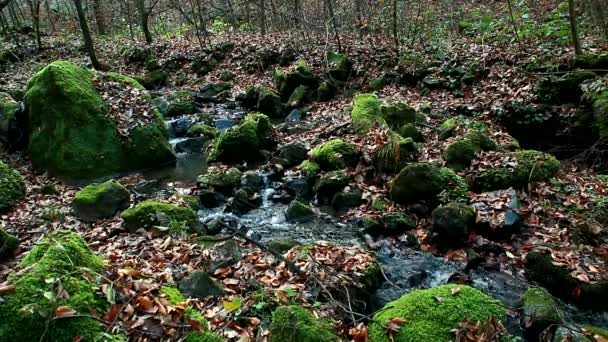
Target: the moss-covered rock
(430, 319)
(287, 82)
(12, 187)
(61, 274)
(8, 111)
(245, 141)
(395, 154)
(296, 324)
(100, 200)
(329, 184)
(344, 200)
(8, 244)
(204, 131)
(459, 154)
(217, 180)
(202, 66)
(299, 212)
(203, 336)
(413, 68)
(600, 111)
(326, 91)
(72, 135)
(456, 188)
(181, 103)
(452, 223)
(448, 127)
(334, 155)
(377, 83)
(299, 97)
(152, 213)
(564, 89)
(269, 103)
(559, 282)
(366, 113)
(400, 114)
(410, 131)
(340, 66)
(539, 312)
(532, 166)
(481, 139)
(155, 79)
(391, 224)
(417, 181)
(592, 61)
(310, 169)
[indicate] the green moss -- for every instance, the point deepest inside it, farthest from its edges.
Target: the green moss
(283, 246)
(220, 181)
(101, 200)
(417, 181)
(181, 103)
(12, 187)
(410, 131)
(310, 169)
(378, 204)
(243, 142)
(296, 324)
(456, 188)
(203, 336)
(8, 108)
(298, 211)
(539, 305)
(152, 213)
(366, 113)
(60, 261)
(481, 139)
(71, 134)
(286, 83)
(326, 91)
(91, 194)
(493, 179)
(269, 103)
(8, 244)
(120, 78)
(534, 166)
(334, 154)
(430, 319)
(298, 97)
(205, 131)
(451, 123)
(340, 67)
(376, 84)
(330, 183)
(395, 154)
(459, 154)
(173, 294)
(398, 115)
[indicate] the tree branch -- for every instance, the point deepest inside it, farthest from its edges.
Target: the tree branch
(4, 3)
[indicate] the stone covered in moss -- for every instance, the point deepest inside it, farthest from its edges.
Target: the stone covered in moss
(395, 154)
(481, 139)
(152, 213)
(329, 184)
(245, 141)
(12, 187)
(217, 180)
(540, 311)
(563, 89)
(340, 66)
(8, 244)
(296, 324)
(71, 134)
(334, 154)
(429, 319)
(299, 212)
(310, 169)
(417, 181)
(459, 154)
(456, 188)
(61, 274)
(326, 91)
(377, 83)
(97, 201)
(366, 113)
(269, 103)
(452, 223)
(287, 82)
(8, 110)
(389, 225)
(181, 103)
(557, 280)
(410, 131)
(299, 97)
(398, 115)
(448, 127)
(205, 131)
(203, 336)
(532, 166)
(600, 111)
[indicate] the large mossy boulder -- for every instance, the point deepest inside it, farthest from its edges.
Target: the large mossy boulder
(530, 166)
(452, 223)
(396, 153)
(366, 113)
(400, 114)
(559, 282)
(12, 187)
(245, 141)
(72, 135)
(8, 244)
(152, 213)
(217, 180)
(335, 154)
(296, 324)
(8, 115)
(299, 212)
(431, 315)
(417, 182)
(539, 312)
(100, 200)
(459, 154)
(62, 272)
(287, 81)
(181, 103)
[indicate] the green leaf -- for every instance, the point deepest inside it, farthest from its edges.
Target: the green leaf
(233, 305)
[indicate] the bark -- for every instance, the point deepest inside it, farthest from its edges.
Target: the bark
(144, 16)
(263, 17)
(395, 37)
(49, 15)
(86, 34)
(99, 18)
(4, 3)
(34, 6)
(574, 28)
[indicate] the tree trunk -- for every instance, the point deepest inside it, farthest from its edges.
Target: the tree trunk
(49, 14)
(332, 19)
(263, 17)
(4, 3)
(99, 19)
(574, 28)
(34, 6)
(395, 37)
(144, 15)
(86, 34)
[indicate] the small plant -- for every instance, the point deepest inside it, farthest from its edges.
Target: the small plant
(247, 27)
(219, 25)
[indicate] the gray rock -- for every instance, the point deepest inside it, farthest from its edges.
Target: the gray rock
(293, 153)
(200, 285)
(97, 201)
(451, 224)
(345, 200)
(299, 212)
(191, 145)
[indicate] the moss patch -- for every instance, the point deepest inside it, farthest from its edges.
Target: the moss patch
(296, 324)
(12, 187)
(431, 320)
(243, 142)
(334, 154)
(459, 154)
(310, 169)
(152, 213)
(417, 181)
(366, 113)
(61, 260)
(103, 200)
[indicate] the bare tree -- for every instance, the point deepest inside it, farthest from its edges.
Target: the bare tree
(34, 6)
(4, 3)
(263, 17)
(99, 18)
(86, 34)
(144, 16)
(574, 28)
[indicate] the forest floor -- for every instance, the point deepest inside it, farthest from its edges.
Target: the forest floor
(139, 264)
